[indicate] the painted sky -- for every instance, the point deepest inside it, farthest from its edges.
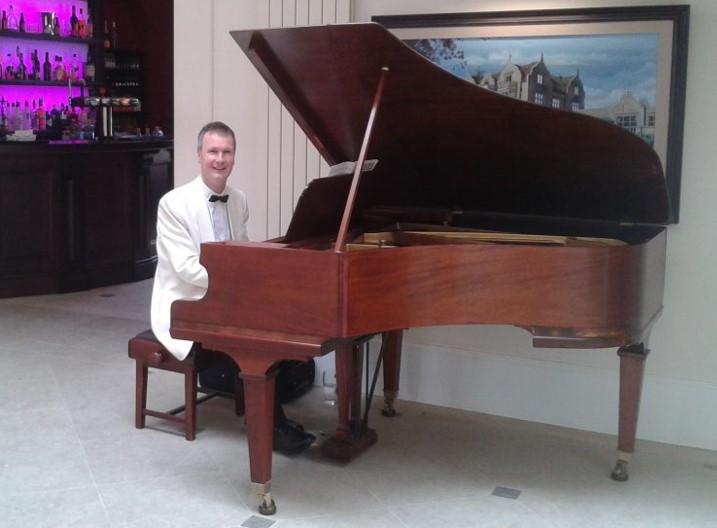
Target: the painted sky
(609, 65)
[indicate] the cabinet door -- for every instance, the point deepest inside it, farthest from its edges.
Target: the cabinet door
(103, 213)
(32, 226)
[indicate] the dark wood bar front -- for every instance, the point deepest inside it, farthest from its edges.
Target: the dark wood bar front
(79, 216)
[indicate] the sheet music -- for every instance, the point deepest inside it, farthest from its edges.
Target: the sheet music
(348, 167)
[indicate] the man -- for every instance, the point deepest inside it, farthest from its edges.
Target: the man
(205, 210)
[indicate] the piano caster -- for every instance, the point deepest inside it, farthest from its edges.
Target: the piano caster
(267, 506)
(620, 472)
(388, 410)
(388, 398)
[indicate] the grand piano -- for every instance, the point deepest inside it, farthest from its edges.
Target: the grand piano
(449, 204)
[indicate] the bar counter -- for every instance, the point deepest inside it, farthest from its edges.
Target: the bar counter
(79, 215)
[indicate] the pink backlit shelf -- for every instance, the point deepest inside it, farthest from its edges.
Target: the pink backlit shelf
(32, 9)
(71, 49)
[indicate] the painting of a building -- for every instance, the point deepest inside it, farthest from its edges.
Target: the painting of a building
(634, 116)
(535, 84)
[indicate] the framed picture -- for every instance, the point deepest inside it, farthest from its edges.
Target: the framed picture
(631, 63)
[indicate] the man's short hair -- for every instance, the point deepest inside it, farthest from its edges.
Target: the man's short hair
(218, 128)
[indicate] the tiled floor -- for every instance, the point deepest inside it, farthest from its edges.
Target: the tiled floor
(71, 457)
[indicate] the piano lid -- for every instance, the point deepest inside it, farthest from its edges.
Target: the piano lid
(443, 142)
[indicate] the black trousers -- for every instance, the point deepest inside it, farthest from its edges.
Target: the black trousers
(221, 377)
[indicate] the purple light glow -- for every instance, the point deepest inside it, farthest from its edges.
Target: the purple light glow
(64, 49)
(33, 8)
(51, 95)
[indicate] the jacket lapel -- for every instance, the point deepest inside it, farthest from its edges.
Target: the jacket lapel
(204, 221)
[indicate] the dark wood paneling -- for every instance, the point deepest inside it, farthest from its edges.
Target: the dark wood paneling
(75, 217)
(30, 219)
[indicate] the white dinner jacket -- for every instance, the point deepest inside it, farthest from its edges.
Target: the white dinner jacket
(183, 223)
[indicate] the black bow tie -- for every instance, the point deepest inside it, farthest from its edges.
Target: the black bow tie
(217, 198)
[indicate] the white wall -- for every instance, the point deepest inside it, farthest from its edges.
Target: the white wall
(495, 369)
(215, 81)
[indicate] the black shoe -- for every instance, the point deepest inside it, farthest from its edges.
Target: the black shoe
(294, 425)
(289, 440)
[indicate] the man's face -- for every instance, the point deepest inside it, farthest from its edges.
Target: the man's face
(216, 159)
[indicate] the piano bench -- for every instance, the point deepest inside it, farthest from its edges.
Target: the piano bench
(148, 352)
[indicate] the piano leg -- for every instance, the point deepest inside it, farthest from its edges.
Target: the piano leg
(632, 368)
(259, 383)
(352, 437)
(391, 370)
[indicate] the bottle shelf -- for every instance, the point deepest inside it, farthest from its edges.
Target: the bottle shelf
(76, 83)
(46, 38)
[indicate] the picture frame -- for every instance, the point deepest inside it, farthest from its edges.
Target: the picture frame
(653, 89)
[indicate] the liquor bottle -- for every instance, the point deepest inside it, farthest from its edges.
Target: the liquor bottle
(12, 20)
(48, 118)
(26, 117)
(114, 35)
(106, 38)
(62, 119)
(9, 68)
(21, 25)
(21, 70)
(21, 74)
(41, 118)
(81, 25)
(59, 73)
(53, 118)
(89, 70)
(47, 68)
(73, 68)
(36, 75)
(3, 23)
(73, 23)
(11, 118)
(90, 26)
(17, 117)
(48, 20)
(8, 116)
(33, 117)
(3, 117)
(56, 26)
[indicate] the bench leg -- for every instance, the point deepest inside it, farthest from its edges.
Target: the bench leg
(141, 395)
(190, 404)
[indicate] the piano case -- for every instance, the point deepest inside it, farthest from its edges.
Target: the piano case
(457, 158)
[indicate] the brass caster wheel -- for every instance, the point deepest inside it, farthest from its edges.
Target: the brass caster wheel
(620, 471)
(388, 411)
(267, 505)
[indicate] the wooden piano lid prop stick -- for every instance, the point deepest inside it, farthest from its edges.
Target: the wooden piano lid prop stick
(343, 230)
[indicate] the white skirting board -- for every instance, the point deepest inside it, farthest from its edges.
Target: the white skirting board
(672, 411)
